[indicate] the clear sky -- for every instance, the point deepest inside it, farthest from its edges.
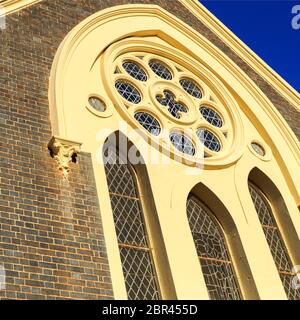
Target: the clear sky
(265, 26)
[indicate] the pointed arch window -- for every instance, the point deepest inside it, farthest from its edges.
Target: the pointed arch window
(275, 241)
(214, 257)
(135, 252)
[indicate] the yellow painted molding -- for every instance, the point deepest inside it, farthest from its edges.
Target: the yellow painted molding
(10, 6)
(77, 73)
(243, 51)
(81, 42)
(83, 30)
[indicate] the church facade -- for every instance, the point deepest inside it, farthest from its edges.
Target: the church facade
(146, 153)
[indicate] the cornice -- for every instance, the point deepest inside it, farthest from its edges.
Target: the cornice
(243, 51)
(10, 6)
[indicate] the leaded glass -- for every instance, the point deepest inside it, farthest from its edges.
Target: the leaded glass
(136, 256)
(135, 70)
(209, 140)
(160, 69)
(275, 241)
(191, 87)
(148, 122)
(211, 116)
(128, 91)
(182, 143)
(213, 254)
(174, 108)
(138, 272)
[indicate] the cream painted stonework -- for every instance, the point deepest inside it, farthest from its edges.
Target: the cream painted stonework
(79, 72)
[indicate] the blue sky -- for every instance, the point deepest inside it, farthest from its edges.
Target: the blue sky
(265, 26)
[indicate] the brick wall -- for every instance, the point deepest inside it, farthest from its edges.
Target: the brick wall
(52, 244)
(51, 239)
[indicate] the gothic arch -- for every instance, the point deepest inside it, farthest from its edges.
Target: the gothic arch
(217, 209)
(121, 148)
(279, 210)
(76, 74)
(77, 56)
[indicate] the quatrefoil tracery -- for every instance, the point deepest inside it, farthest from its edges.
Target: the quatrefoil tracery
(174, 107)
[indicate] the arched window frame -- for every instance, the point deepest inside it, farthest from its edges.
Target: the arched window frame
(234, 293)
(224, 221)
(130, 247)
(153, 233)
(286, 276)
(63, 97)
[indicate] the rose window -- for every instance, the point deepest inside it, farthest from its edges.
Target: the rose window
(171, 103)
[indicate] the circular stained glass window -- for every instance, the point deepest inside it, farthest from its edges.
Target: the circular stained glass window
(160, 69)
(209, 140)
(165, 98)
(191, 88)
(182, 143)
(211, 116)
(128, 91)
(97, 104)
(258, 148)
(150, 123)
(135, 70)
(174, 108)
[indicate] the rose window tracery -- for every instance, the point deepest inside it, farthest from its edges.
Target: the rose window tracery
(170, 102)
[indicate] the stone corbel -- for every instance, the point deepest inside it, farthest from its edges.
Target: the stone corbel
(63, 151)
